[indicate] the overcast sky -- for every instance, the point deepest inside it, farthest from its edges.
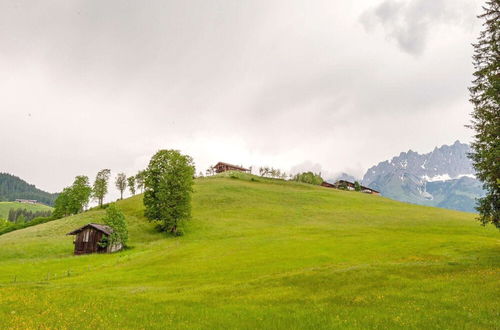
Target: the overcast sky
(330, 85)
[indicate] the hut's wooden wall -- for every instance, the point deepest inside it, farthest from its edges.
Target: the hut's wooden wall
(87, 241)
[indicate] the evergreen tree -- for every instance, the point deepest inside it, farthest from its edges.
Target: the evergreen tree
(100, 188)
(12, 215)
(12, 187)
(485, 97)
(121, 183)
(168, 184)
(357, 186)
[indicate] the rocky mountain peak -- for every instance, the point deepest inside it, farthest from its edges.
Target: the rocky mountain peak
(410, 175)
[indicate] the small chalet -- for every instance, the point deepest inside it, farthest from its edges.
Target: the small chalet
(223, 167)
(349, 186)
(88, 237)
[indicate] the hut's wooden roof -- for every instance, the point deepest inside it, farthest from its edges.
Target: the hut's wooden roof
(105, 229)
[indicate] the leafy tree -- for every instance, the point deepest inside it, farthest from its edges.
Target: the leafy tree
(485, 97)
(121, 183)
(100, 188)
(139, 179)
(116, 220)
(210, 171)
(80, 194)
(61, 205)
(357, 186)
(73, 199)
(168, 184)
(4, 224)
(131, 184)
(309, 177)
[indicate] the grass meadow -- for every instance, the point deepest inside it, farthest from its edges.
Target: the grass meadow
(261, 254)
(6, 206)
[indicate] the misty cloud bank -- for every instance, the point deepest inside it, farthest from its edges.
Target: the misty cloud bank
(92, 85)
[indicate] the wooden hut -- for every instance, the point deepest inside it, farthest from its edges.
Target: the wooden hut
(88, 237)
(223, 167)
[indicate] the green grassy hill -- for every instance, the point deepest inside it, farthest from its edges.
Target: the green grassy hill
(13, 187)
(261, 254)
(6, 206)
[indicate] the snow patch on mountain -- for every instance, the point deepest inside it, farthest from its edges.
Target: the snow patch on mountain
(444, 177)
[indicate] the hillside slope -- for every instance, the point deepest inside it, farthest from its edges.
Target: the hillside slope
(6, 206)
(13, 187)
(259, 254)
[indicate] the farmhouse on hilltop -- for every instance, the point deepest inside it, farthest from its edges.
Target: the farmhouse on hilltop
(223, 167)
(349, 186)
(27, 201)
(89, 237)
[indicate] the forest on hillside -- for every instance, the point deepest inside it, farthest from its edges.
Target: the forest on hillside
(13, 187)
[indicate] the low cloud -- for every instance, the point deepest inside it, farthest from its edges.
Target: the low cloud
(410, 23)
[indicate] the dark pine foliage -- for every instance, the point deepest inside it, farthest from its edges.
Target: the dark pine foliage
(485, 97)
(12, 187)
(23, 215)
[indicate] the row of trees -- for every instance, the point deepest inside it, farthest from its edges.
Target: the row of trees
(276, 173)
(23, 215)
(75, 198)
(271, 172)
(167, 186)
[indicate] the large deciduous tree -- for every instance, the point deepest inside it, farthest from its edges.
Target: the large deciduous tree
(100, 188)
(81, 192)
(121, 183)
(73, 199)
(168, 186)
(485, 97)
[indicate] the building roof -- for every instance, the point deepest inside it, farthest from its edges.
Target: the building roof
(351, 183)
(368, 188)
(105, 229)
(231, 165)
